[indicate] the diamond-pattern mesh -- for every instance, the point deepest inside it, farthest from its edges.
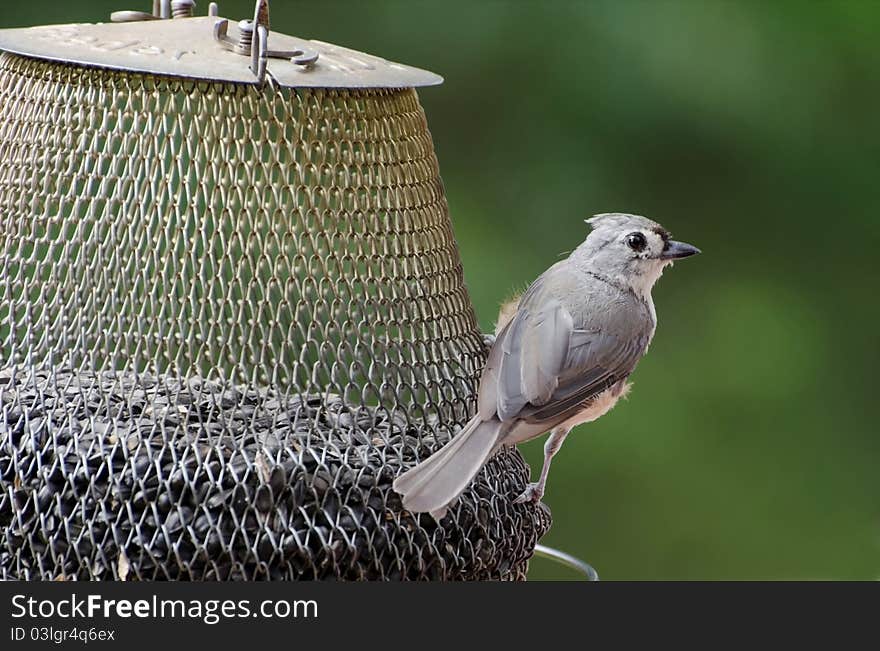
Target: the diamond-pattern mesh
(229, 316)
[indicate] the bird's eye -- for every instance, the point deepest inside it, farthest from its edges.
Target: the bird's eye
(636, 241)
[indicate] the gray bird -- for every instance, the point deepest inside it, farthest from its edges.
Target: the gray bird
(561, 358)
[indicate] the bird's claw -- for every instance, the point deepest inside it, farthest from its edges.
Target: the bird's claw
(531, 495)
(488, 341)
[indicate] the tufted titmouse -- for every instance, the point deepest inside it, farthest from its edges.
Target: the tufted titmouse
(560, 358)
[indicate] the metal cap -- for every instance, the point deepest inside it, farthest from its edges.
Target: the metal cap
(202, 48)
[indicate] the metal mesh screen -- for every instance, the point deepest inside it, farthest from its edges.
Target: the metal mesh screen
(228, 317)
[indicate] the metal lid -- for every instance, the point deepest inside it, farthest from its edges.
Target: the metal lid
(206, 48)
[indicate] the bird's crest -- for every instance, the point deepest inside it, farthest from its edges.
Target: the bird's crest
(621, 221)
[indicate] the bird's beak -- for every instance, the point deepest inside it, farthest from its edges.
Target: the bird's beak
(677, 250)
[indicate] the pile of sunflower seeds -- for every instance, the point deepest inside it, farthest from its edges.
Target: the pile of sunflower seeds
(129, 476)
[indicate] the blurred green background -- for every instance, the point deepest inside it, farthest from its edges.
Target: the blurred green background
(749, 448)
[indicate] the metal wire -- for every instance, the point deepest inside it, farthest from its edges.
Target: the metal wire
(568, 560)
(229, 316)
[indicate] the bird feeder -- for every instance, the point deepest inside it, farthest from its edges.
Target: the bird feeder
(231, 312)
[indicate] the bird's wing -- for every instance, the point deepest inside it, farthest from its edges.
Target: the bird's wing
(542, 368)
(595, 362)
(487, 395)
(501, 391)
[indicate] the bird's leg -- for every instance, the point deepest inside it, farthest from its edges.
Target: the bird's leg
(535, 491)
(489, 340)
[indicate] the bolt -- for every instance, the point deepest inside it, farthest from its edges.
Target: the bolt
(182, 8)
(245, 36)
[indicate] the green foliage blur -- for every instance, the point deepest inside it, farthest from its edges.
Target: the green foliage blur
(749, 447)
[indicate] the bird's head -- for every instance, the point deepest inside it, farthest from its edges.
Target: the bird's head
(631, 249)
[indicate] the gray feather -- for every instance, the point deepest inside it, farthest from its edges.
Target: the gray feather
(575, 336)
(555, 355)
(438, 480)
(511, 398)
(545, 350)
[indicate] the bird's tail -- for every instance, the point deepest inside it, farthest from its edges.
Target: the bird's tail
(442, 477)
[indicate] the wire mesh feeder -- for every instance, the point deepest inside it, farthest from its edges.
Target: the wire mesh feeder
(231, 310)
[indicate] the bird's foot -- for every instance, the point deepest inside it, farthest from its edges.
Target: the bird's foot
(531, 495)
(488, 341)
